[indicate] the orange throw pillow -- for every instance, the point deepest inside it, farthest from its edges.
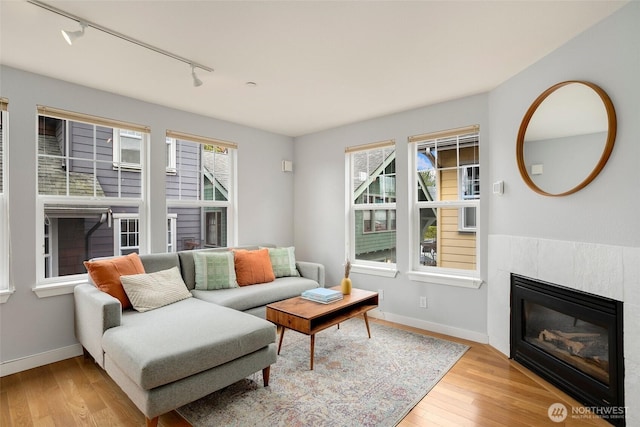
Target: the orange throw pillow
(253, 267)
(106, 273)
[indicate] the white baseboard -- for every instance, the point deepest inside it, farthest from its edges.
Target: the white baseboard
(431, 326)
(33, 361)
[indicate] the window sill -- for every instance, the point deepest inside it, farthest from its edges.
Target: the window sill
(55, 289)
(374, 271)
(5, 294)
(446, 279)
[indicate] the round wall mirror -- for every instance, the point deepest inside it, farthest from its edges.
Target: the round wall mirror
(566, 138)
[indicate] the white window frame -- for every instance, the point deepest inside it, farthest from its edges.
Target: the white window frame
(52, 286)
(117, 232)
(377, 268)
(171, 155)
(232, 198)
(6, 288)
(462, 217)
(117, 149)
(432, 274)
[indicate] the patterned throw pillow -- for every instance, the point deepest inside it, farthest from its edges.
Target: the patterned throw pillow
(154, 290)
(283, 262)
(253, 267)
(106, 273)
(215, 270)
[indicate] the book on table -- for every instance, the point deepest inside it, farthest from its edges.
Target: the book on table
(322, 295)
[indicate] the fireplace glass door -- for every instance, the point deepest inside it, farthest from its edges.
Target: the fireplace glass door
(580, 343)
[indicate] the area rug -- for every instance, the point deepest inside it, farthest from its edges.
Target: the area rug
(356, 381)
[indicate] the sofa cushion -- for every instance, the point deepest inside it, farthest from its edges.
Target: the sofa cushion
(214, 270)
(283, 261)
(187, 265)
(154, 290)
(248, 297)
(164, 345)
(253, 267)
(105, 274)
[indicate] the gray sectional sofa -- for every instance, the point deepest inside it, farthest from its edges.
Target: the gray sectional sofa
(170, 356)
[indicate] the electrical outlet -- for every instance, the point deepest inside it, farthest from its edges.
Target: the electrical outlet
(380, 294)
(423, 302)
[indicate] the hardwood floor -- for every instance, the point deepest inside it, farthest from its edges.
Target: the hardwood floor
(483, 389)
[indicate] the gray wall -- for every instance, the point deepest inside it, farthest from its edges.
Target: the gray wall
(320, 213)
(606, 211)
(29, 325)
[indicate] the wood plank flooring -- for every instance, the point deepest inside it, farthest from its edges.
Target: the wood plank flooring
(483, 389)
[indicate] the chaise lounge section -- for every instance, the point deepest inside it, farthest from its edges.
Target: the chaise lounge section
(172, 355)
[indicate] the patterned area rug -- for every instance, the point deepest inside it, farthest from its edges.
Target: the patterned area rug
(356, 381)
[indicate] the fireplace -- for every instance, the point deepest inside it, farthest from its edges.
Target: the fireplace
(572, 339)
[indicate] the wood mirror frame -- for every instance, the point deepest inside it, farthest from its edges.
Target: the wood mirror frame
(608, 148)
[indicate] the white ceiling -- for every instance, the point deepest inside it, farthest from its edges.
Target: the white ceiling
(317, 64)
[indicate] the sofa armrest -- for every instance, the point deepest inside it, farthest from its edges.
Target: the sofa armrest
(311, 270)
(95, 312)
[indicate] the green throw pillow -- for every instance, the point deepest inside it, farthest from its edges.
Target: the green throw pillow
(283, 262)
(215, 270)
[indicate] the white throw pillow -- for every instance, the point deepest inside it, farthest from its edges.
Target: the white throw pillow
(154, 290)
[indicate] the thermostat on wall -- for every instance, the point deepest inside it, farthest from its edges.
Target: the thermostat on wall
(536, 169)
(498, 187)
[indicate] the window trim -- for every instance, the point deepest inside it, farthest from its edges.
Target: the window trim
(376, 268)
(6, 288)
(440, 275)
(52, 286)
(232, 196)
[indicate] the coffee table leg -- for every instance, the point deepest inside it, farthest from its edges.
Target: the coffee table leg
(313, 346)
(366, 322)
(281, 336)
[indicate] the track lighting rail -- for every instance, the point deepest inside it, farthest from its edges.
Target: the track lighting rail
(117, 34)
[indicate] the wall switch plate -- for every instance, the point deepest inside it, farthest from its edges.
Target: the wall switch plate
(380, 294)
(498, 187)
(423, 302)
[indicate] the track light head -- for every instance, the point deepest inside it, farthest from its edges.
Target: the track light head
(196, 81)
(70, 36)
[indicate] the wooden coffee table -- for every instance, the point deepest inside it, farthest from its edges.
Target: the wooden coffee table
(309, 317)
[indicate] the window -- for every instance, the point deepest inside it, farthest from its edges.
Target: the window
(470, 190)
(4, 208)
(171, 155)
(371, 194)
(201, 191)
(88, 201)
(126, 148)
(446, 196)
(127, 230)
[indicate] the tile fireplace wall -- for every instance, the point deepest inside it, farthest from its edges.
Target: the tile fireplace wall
(605, 270)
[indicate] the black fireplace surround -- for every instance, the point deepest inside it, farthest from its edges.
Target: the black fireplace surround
(572, 339)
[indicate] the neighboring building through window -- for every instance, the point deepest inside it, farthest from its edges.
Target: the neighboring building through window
(89, 199)
(200, 192)
(446, 201)
(371, 193)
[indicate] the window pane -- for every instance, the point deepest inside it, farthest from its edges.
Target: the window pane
(76, 159)
(374, 176)
(74, 234)
(198, 227)
(441, 244)
(375, 241)
(130, 144)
